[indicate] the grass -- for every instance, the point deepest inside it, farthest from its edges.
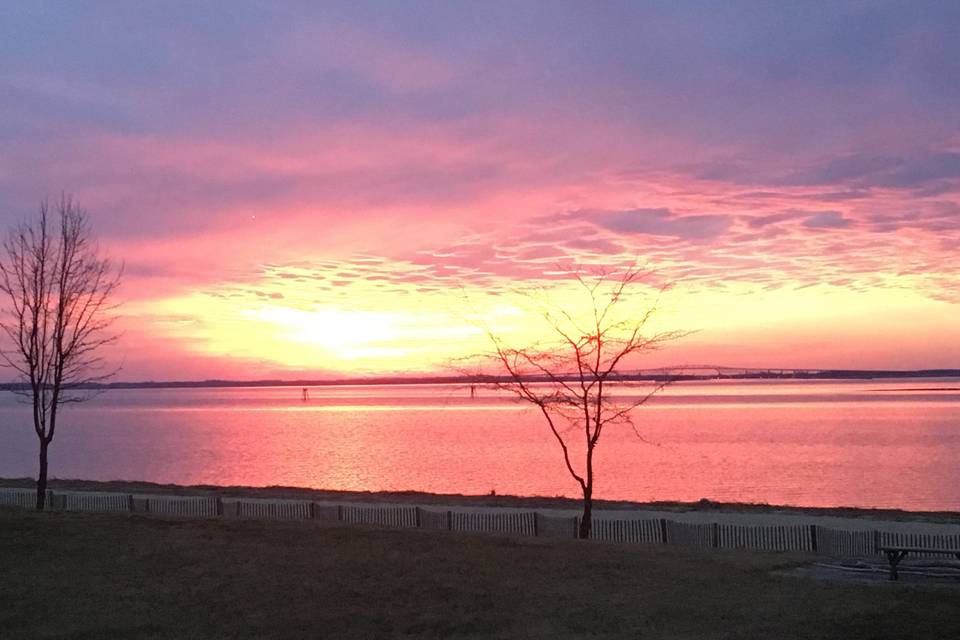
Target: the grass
(77, 576)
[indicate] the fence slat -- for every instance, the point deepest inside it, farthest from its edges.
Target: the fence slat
(845, 544)
(325, 512)
(693, 535)
(382, 515)
(933, 541)
(516, 523)
(645, 531)
(96, 502)
(431, 519)
(556, 527)
(18, 497)
(182, 506)
(777, 538)
(273, 509)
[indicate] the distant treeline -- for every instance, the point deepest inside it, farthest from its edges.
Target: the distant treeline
(643, 376)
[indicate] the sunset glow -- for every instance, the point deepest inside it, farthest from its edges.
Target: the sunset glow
(347, 191)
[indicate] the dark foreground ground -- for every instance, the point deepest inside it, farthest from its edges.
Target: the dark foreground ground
(72, 575)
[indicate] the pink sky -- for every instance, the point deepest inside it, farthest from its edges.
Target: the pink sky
(340, 191)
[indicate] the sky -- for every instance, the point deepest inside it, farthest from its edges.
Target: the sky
(355, 188)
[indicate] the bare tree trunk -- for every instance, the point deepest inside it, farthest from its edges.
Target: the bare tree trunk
(567, 378)
(55, 290)
(42, 477)
(586, 520)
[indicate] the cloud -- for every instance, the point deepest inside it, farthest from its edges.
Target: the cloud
(759, 222)
(655, 222)
(826, 220)
(866, 170)
(924, 169)
(854, 167)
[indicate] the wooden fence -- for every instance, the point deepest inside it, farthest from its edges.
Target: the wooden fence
(382, 515)
(174, 506)
(93, 502)
(18, 498)
(798, 538)
(845, 544)
(690, 535)
(556, 526)
(782, 538)
(274, 509)
(928, 540)
(648, 531)
(433, 519)
(518, 523)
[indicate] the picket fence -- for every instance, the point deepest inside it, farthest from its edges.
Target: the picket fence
(519, 523)
(382, 515)
(273, 509)
(176, 506)
(797, 538)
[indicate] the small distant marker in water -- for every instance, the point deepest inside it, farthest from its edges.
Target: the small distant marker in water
(306, 394)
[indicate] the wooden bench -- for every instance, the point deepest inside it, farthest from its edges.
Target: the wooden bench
(895, 554)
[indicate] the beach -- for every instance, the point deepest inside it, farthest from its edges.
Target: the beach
(703, 512)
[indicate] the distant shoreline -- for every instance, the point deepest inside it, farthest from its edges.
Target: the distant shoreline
(502, 501)
(652, 375)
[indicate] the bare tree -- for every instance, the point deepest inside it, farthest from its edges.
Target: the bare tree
(572, 377)
(56, 315)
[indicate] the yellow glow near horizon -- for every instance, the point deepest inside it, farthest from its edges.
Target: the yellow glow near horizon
(322, 337)
(415, 332)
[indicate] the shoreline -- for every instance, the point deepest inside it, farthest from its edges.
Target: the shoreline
(721, 374)
(703, 507)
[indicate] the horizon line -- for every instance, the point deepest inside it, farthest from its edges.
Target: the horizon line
(651, 374)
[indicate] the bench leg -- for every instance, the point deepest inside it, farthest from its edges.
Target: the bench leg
(894, 557)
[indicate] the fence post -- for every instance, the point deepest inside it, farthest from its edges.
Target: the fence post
(716, 535)
(876, 541)
(130, 506)
(663, 530)
(536, 524)
(219, 507)
(312, 510)
(813, 538)
(339, 513)
(449, 520)
(231, 509)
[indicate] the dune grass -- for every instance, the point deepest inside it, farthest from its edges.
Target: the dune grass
(78, 576)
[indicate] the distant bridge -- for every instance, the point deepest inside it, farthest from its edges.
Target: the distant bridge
(722, 371)
(710, 371)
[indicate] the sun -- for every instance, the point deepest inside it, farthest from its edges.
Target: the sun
(340, 333)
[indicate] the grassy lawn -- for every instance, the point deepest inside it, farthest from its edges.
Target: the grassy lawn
(69, 575)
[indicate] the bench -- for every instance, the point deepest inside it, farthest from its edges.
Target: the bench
(896, 553)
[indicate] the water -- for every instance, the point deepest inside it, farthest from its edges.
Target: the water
(892, 443)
